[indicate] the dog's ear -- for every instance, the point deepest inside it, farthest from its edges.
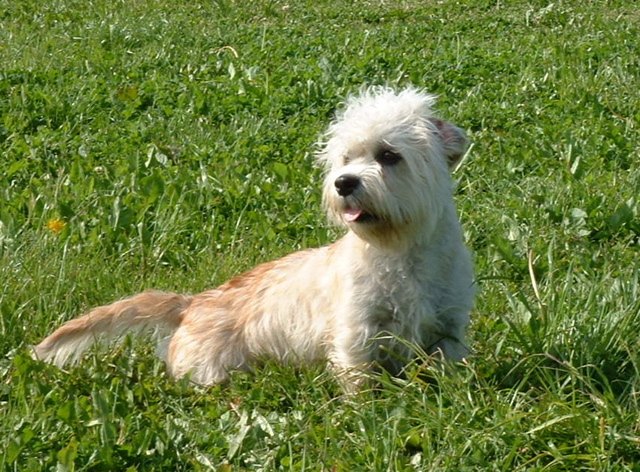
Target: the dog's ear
(454, 139)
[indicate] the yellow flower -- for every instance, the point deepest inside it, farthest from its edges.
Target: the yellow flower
(56, 225)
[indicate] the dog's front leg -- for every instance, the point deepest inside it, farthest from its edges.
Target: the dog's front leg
(350, 357)
(450, 349)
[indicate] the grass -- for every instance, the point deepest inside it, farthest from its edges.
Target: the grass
(169, 145)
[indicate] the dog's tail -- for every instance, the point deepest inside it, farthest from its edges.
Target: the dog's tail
(152, 310)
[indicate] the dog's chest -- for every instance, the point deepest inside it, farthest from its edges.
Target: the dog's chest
(396, 297)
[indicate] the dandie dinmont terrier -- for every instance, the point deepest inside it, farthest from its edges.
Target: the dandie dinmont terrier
(400, 276)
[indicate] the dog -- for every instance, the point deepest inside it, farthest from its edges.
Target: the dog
(400, 277)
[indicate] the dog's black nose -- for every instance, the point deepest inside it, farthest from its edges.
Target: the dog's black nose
(346, 184)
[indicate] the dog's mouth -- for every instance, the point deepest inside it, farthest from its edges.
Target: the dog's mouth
(357, 215)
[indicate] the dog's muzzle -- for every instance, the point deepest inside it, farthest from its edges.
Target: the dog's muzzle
(346, 184)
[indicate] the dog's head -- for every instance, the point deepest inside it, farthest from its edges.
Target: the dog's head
(388, 162)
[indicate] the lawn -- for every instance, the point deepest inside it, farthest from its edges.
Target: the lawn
(161, 144)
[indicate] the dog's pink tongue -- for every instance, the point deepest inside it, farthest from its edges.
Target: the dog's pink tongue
(352, 214)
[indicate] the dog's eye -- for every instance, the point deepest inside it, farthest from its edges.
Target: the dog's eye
(387, 157)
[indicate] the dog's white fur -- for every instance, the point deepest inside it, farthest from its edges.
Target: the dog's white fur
(401, 273)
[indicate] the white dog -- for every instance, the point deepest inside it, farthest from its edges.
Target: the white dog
(400, 276)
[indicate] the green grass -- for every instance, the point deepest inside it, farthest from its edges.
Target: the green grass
(174, 143)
